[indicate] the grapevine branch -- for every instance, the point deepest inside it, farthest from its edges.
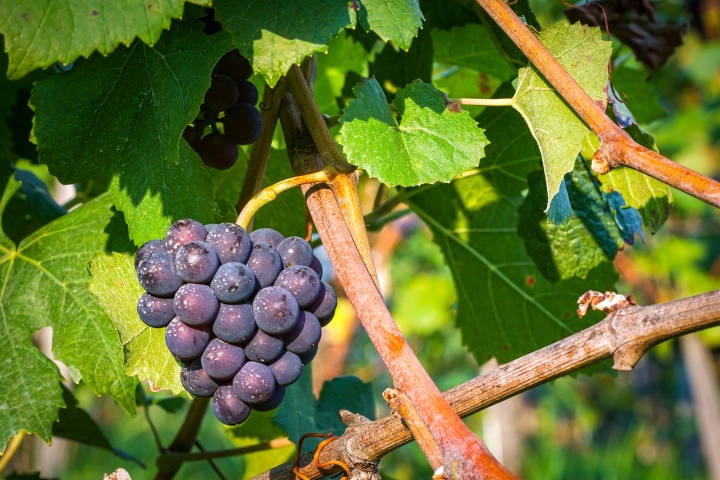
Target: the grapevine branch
(616, 146)
(464, 454)
(624, 335)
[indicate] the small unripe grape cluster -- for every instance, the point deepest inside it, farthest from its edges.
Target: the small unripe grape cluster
(229, 101)
(243, 312)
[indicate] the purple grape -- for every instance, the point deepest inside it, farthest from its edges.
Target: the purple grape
(210, 227)
(243, 123)
(234, 65)
(295, 251)
(267, 235)
(235, 323)
(264, 348)
(233, 283)
(148, 248)
(275, 310)
(254, 383)
(231, 242)
(305, 336)
(218, 151)
(184, 341)
(196, 304)
(317, 266)
(324, 306)
(196, 381)
(286, 369)
(196, 262)
(228, 407)
(155, 311)
(308, 357)
(265, 263)
(302, 282)
(222, 360)
(184, 231)
(247, 92)
(157, 274)
(222, 94)
(273, 402)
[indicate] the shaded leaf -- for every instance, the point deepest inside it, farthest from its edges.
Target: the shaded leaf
(114, 284)
(393, 68)
(347, 393)
(276, 35)
(395, 21)
(431, 143)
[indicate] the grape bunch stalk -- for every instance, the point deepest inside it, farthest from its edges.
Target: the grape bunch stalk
(242, 312)
(229, 105)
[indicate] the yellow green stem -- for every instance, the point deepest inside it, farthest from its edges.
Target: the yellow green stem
(11, 449)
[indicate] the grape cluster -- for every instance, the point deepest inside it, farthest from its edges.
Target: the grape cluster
(243, 313)
(229, 102)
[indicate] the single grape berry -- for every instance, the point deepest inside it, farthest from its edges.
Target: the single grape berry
(184, 341)
(295, 251)
(273, 402)
(233, 283)
(222, 94)
(254, 383)
(306, 358)
(235, 323)
(196, 304)
(275, 310)
(218, 151)
(184, 231)
(247, 92)
(324, 305)
(222, 360)
(196, 381)
(305, 336)
(155, 311)
(317, 266)
(193, 136)
(231, 242)
(243, 123)
(196, 262)
(286, 369)
(157, 275)
(264, 348)
(266, 235)
(148, 248)
(302, 282)
(265, 263)
(234, 65)
(228, 407)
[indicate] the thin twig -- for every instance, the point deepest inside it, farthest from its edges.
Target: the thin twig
(210, 461)
(11, 449)
(156, 436)
(484, 102)
(186, 436)
(170, 459)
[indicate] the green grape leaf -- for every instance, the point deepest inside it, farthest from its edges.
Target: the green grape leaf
(121, 118)
(344, 56)
(433, 142)
(38, 34)
(556, 128)
(395, 21)
(45, 284)
(257, 429)
(296, 414)
(348, 393)
(115, 285)
(274, 36)
(506, 307)
(286, 213)
(394, 68)
(471, 46)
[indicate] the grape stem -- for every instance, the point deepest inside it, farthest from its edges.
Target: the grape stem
(484, 102)
(11, 449)
(269, 194)
(169, 460)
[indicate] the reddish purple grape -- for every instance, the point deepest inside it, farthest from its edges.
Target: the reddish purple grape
(295, 251)
(196, 304)
(273, 402)
(317, 266)
(222, 360)
(243, 123)
(248, 93)
(235, 323)
(196, 262)
(254, 383)
(155, 311)
(218, 151)
(264, 348)
(286, 369)
(196, 381)
(222, 94)
(306, 358)
(231, 242)
(157, 275)
(148, 248)
(228, 407)
(324, 306)
(305, 336)
(275, 310)
(302, 282)
(184, 341)
(184, 231)
(234, 65)
(265, 263)
(266, 235)
(234, 282)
